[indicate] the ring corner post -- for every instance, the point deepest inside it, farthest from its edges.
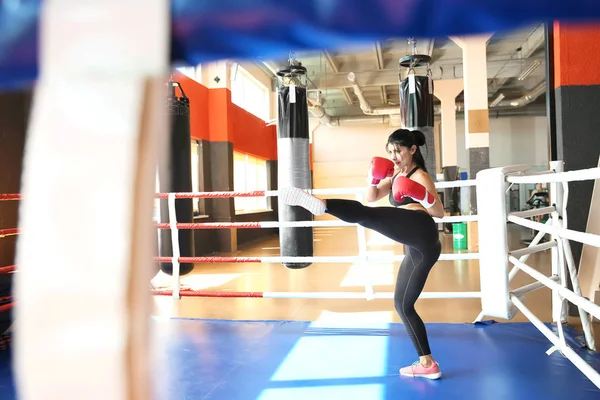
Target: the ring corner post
(559, 307)
(493, 243)
(93, 140)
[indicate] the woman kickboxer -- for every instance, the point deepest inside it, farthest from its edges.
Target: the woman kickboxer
(412, 194)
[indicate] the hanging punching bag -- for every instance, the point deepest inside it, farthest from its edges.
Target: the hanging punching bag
(416, 103)
(176, 176)
(293, 161)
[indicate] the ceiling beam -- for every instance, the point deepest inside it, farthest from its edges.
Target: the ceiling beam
(498, 69)
(533, 42)
(496, 84)
(336, 69)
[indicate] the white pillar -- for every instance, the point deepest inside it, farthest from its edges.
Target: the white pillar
(477, 136)
(446, 91)
(85, 254)
(476, 90)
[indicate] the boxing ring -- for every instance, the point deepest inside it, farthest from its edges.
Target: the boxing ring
(88, 337)
(254, 347)
(498, 299)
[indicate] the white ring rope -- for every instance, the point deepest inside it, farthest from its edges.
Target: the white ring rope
(556, 177)
(582, 237)
(279, 224)
(534, 212)
(579, 301)
(275, 193)
(533, 249)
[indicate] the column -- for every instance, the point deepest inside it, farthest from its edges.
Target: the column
(446, 91)
(477, 137)
(476, 104)
(88, 184)
(577, 115)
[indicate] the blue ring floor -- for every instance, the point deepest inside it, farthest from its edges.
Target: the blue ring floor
(222, 359)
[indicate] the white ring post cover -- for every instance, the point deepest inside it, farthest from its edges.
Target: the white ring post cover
(493, 244)
(85, 253)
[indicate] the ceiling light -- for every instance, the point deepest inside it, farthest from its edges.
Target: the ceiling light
(529, 70)
(497, 100)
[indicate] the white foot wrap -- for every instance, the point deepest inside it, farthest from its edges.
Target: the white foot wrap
(297, 197)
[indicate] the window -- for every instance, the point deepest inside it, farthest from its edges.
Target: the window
(248, 93)
(198, 176)
(249, 174)
(194, 73)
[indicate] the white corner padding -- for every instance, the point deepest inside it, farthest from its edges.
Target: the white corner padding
(493, 243)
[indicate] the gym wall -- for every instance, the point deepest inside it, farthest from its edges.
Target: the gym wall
(342, 154)
(221, 127)
(513, 140)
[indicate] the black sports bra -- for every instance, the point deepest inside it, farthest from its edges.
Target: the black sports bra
(406, 200)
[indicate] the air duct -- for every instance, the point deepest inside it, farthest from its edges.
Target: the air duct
(364, 104)
(522, 101)
(319, 112)
(315, 107)
(360, 120)
(385, 115)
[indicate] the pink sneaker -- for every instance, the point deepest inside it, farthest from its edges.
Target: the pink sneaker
(418, 371)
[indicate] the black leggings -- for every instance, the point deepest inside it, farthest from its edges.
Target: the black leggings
(418, 232)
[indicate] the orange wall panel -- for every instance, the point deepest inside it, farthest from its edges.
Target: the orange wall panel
(198, 96)
(215, 118)
(252, 136)
(220, 121)
(576, 54)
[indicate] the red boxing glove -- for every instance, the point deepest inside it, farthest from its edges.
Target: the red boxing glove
(381, 168)
(404, 186)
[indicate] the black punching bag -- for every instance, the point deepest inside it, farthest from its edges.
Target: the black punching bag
(176, 176)
(416, 103)
(293, 161)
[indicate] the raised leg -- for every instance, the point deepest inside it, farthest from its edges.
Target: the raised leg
(410, 227)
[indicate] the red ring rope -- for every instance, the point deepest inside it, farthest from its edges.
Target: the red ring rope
(194, 293)
(213, 195)
(183, 260)
(193, 195)
(7, 270)
(210, 225)
(9, 232)
(10, 196)
(6, 307)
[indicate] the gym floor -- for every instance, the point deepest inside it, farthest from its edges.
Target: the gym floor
(255, 348)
